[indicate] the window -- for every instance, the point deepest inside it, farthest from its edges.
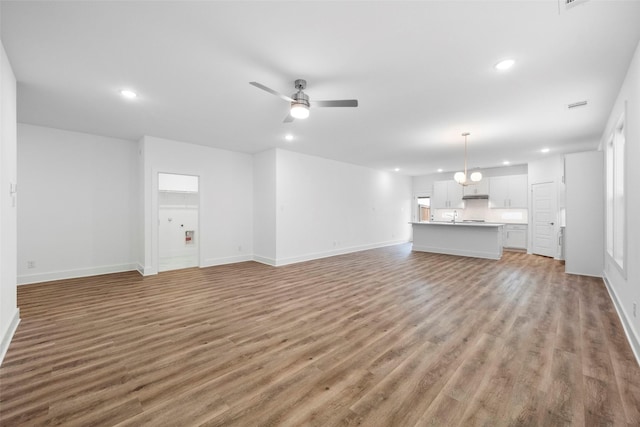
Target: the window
(616, 221)
(424, 209)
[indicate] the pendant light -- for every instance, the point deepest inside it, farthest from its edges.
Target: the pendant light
(461, 177)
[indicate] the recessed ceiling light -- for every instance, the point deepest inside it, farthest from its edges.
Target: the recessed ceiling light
(439, 170)
(129, 94)
(397, 169)
(505, 64)
(288, 137)
(545, 150)
(506, 162)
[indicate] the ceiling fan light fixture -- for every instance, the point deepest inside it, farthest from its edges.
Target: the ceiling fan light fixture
(299, 110)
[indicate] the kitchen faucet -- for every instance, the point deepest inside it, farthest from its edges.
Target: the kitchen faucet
(455, 215)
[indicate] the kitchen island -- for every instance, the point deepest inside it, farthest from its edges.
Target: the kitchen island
(471, 239)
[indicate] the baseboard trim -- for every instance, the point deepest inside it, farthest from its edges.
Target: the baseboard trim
(80, 272)
(212, 262)
(583, 274)
(264, 260)
(632, 338)
(335, 252)
(8, 334)
(467, 253)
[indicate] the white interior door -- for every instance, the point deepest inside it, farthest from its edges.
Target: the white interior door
(544, 219)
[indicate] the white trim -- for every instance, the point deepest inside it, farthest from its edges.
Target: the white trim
(147, 271)
(582, 273)
(264, 260)
(8, 335)
(81, 272)
(457, 252)
(342, 251)
(632, 336)
(212, 262)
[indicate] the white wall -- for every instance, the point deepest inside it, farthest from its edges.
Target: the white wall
(584, 235)
(626, 288)
(77, 213)
(324, 207)
(264, 205)
(226, 199)
(9, 313)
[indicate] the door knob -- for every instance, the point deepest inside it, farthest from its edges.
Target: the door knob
(551, 223)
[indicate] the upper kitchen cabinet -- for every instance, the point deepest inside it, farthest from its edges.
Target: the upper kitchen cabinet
(447, 195)
(508, 192)
(480, 188)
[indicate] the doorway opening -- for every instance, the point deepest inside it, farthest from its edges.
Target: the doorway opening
(178, 221)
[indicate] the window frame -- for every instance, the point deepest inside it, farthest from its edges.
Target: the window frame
(616, 196)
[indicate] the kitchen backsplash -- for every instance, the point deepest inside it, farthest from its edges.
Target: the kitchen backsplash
(478, 210)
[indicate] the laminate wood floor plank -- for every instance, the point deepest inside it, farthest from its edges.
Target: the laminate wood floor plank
(386, 337)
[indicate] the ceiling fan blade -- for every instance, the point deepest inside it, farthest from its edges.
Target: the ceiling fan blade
(336, 103)
(271, 91)
(288, 119)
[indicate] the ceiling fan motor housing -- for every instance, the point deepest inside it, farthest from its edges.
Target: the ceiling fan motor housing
(300, 98)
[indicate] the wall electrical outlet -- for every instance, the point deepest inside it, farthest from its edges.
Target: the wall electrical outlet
(31, 264)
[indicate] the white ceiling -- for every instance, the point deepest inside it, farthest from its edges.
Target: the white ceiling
(421, 70)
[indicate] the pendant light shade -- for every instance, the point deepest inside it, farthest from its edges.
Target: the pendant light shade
(476, 176)
(461, 177)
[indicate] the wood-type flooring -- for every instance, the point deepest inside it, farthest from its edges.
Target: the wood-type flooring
(386, 337)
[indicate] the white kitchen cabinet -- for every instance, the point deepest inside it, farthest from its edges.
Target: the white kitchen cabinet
(477, 188)
(515, 236)
(508, 191)
(447, 195)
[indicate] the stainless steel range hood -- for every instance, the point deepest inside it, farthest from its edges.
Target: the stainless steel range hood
(475, 197)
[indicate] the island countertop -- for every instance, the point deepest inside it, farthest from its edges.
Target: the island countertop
(466, 224)
(471, 239)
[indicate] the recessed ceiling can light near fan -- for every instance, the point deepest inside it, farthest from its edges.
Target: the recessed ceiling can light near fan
(505, 64)
(288, 137)
(461, 177)
(300, 103)
(129, 94)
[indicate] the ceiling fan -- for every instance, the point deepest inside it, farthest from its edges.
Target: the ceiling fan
(300, 102)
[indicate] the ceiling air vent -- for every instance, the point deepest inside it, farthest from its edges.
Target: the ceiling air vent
(577, 104)
(570, 3)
